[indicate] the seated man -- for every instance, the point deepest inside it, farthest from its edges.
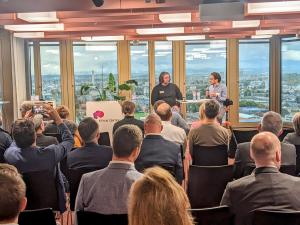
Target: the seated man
(158, 151)
(92, 154)
(266, 188)
(28, 157)
(169, 131)
(41, 139)
(271, 122)
(5, 141)
(210, 133)
(106, 191)
(12, 192)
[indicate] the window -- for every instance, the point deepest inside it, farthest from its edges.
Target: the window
(140, 73)
(163, 58)
(93, 64)
(290, 78)
(50, 71)
(202, 58)
(254, 79)
(31, 68)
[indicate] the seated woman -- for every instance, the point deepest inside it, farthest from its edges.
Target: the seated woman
(128, 109)
(294, 138)
(158, 199)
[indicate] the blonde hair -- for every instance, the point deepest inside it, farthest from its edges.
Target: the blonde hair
(201, 111)
(296, 123)
(158, 199)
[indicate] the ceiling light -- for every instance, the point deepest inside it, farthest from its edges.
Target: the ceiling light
(30, 35)
(267, 32)
(36, 27)
(245, 23)
(170, 30)
(176, 18)
(273, 7)
(185, 38)
(261, 36)
(103, 38)
(105, 48)
(38, 17)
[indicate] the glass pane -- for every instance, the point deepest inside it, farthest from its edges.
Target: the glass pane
(93, 63)
(202, 58)
(31, 67)
(290, 78)
(50, 71)
(140, 73)
(163, 58)
(254, 79)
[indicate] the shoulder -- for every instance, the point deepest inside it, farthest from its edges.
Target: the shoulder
(243, 146)
(242, 182)
(287, 146)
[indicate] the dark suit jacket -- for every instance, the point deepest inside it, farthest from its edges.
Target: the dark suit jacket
(242, 156)
(33, 159)
(129, 120)
(44, 141)
(5, 141)
(91, 155)
(156, 149)
(266, 188)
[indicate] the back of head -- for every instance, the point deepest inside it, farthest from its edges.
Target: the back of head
(164, 112)
(38, 121)
(272, 122)
(23, 133)
(158, 199)
(157, 103)
(88, 129)
(201, 111)
(25, 107)
(125, 140)
(211, 109)
(296, 123)
(128, 108)
(152, 124)
(63, 111)
(12, 193)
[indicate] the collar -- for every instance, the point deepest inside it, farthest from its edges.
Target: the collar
(153, 134)
(90, 144)
(268, 169)
(120, 162)
(166, 122)
(216, 85)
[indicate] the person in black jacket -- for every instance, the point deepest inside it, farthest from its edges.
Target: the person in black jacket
(165, 90)
(5, 141)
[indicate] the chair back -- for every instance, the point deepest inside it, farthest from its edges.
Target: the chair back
(171, 168)
(104, 139)
(92, 218)
(41, 190)
(210, 155)
(37, 217)
(265, 217)
(297, 159)
(74, 176)
(206, 184)
(57, 135)
(244, 135)
(213, 216)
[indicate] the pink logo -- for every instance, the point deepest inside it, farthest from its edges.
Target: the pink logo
(98, 114)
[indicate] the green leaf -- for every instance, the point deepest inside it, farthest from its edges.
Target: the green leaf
(85, 89)
(124, 87)
(111, 83)
(132, 82)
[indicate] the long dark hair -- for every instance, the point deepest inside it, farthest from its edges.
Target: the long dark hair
(161, 76)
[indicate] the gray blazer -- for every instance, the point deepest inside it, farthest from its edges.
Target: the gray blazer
(106, 191)
(292, 138)
(266, 188)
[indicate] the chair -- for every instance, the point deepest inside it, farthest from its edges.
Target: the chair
(171, 168)
(104, 139)
(297, 159)
(74, 180)
(206, 184)
(213, 216)
(92, 218)
(41, 191)
(265, 217)
(210, 155)
(244, 135)
(37, 217)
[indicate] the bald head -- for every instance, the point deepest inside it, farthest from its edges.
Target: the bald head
(164, 112)
(152, 124)
(265, 149)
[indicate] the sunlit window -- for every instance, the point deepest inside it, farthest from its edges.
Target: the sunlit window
(163, 58)
(31, 67)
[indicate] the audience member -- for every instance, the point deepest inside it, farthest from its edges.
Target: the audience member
(41, 139)
(198, 123)
(271, 122)
(26, 107)
(128, 109)
(108, 188)
(176, 119)
(156, 150)
(169, 131)
(294, 138)
(28, 157)
(266, 188)
(5, 141)
(12, 194)
(91, 154)
(157, 199)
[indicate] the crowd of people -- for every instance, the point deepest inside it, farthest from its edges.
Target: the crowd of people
(142, 174)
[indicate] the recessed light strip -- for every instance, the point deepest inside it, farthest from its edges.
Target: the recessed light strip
(185, 38)
(273, 7)
(170, 30)
(36, 27)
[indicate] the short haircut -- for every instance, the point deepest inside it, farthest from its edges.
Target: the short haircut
(63, 111)
(128, 107)
(272, 122)
(161, 76)
(211, 108)
(26, 106)
(157, 103)
(12, 192)
(217, 76)
(37, 120)
(71, 125)
(152, 119)
(88, 129)
(126, 139)
(164, 111)
(296, 123)
(23, 133)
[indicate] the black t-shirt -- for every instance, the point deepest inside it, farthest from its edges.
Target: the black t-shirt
(169, 94)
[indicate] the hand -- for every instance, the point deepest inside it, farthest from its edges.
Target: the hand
(28, 114)
(52, 113)
(213, 94)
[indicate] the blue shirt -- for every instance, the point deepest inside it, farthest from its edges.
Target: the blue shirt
(221, 89)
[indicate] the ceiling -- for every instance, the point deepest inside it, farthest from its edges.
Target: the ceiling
(123, 17)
